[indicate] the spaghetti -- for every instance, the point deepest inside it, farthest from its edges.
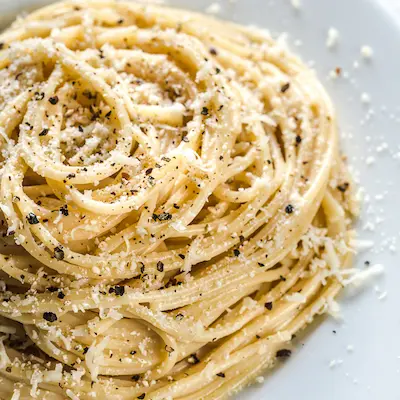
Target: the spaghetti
(175, 207)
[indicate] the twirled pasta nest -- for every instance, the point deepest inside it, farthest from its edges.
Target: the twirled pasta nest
(175, 205)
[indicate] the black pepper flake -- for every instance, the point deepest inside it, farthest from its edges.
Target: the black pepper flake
(164, 216)
(221, 374)
(39, 96)
(176, 206)
(8, 369)
(182, 256)
(169, 349)
(217, 70)
(268, 305)
(284, 353)
(193, 359)
(179, 317)
(118, 290)
(52, 289)
(80, 129)
(236, 252)
(32, 218)
(285, 87)
(44, 132)
(261, 264)
(95, 114)
(289, 209)
(53, 100)
(50, 316)
(60, 295)
(343, 187)
(142, 396)
(366, 263)
(166, 159)
(132, 353)
(59, 253)
(204, 111)
(85, 350)
(70, 176)
(298, 139)
(64, 210)
(108, 114)
(213, 51)
(149, 171)
(88, 94)
(160, 266)
(282, 278)
(135, 378)
(185, 139)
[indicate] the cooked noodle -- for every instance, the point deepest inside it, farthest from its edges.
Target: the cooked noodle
(175, 207)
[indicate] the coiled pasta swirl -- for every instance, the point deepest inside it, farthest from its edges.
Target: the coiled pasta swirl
(175, 205)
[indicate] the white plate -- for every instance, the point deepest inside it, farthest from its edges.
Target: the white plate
(370, 325)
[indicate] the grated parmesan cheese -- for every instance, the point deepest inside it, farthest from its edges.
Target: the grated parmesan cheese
(335, 363)
(36, 379)
(296, 298)
(361, 245)
(95, 356)
(365, 98)
(363, 276)
(296, 4)
(213, 8)
(53, 376)
(350, 348)
(333, 38)
(366, 52)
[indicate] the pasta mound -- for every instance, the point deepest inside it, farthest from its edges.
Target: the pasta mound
(174, 204)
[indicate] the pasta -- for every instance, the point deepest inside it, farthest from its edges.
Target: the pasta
(175, 208)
